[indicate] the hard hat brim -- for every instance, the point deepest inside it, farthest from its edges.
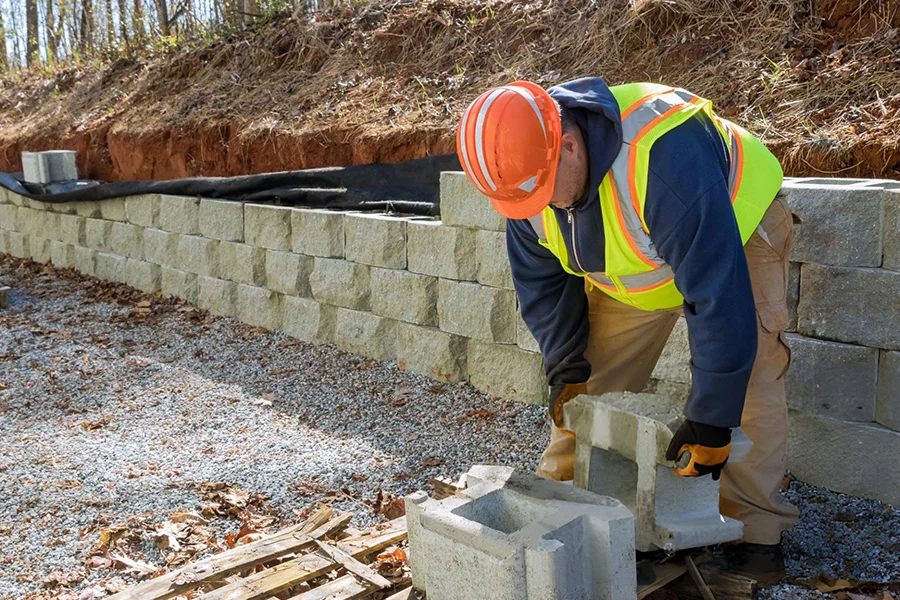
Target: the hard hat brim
(533, 204)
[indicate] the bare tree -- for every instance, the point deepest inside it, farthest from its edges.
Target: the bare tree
(123, 22)
(52, 34)
(31, 33)
(4, 60)
(162, 13)
(137, 21)
(110, 26)
(86, 39)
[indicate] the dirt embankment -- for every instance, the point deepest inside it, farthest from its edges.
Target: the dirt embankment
(819, 81)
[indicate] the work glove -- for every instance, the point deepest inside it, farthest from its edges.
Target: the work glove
(707, 449)
(560, 394)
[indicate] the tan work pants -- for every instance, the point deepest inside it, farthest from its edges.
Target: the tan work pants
(626, 342)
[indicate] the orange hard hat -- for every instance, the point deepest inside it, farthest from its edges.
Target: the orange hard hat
(508, 144)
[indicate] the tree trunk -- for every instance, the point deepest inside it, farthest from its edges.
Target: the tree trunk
(251, 11)
(110, 26)
(52, 34)
(4, 60)
(162, 11)
(87, 26)
(31, 32)
(123, 23)
(137, 21)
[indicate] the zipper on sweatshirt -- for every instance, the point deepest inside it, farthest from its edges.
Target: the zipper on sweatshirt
(571, 217)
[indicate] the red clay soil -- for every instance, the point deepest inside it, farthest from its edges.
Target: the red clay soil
(819, 82)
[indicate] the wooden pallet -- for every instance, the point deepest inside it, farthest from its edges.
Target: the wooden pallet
(286, 563)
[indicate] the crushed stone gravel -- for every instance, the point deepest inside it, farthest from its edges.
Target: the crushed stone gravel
(115, 406)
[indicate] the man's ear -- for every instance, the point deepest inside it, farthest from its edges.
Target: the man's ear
(568, 144)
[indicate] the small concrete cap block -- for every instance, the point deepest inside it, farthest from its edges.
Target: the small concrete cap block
(47, 167)
(620, 451)
(515, 536)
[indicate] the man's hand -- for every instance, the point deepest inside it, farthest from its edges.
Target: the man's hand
(708, 446)
(559, 395)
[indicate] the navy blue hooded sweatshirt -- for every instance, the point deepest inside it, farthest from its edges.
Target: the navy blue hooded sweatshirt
(688, 212)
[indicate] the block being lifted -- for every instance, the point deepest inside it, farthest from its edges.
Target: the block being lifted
(620, 451)
(50, 166)
(514, 536)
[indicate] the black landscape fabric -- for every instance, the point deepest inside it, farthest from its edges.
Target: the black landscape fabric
(411, 187)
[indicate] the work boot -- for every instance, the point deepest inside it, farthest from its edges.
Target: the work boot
(763, 563)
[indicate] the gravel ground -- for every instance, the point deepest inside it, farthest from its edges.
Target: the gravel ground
(115, 410)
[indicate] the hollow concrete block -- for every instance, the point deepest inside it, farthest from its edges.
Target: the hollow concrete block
(179, 214)
(49, 166)
(222, 220)
(515, 536)
(434, 248)
(217, 296)
(143, 210)
(431, 352)
(404, 296)
(317, 232)
(143, 275)
(288, 273)
(267, 226)
(620, 446)
(259, 307)
(242, 263)
(376, 240)
(477, 311)
(309, 321)
(366, 334)
(179, 284)
(464, 206)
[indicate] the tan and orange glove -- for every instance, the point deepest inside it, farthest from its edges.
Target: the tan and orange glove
(559, 395)
(709, 447)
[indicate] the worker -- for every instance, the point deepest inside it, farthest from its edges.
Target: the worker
(627, 207)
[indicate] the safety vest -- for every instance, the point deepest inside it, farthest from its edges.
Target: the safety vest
(635, 273)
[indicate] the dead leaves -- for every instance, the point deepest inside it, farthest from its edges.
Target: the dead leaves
(393, 565)
(65, 578)
(183, 536)
(386, 504)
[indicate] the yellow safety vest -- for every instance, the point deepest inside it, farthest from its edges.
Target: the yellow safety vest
(635, 273)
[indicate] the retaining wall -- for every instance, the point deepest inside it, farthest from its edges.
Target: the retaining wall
(437, 297)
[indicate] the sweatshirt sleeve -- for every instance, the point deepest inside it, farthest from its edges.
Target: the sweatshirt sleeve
(553, 304)
(694, 229)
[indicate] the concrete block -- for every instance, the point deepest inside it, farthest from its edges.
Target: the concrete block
(850, 305)
(477, 311)
(88, 210)
(841, 226)
(464, 206)
(887, 407)
(72, 230)
(18, 244)
(442, 251)
(340, 283)
(430, 351)
(404, 296)
(27, 221)
(832, 379)
(242, 263)
(113, 209)
(143, 275)
(514, 536)
(507, 371)
(222, 220)
(8, 215)
(97, 233)
(198, 255)
(85, 261)
(377, 240)
(843, 456)
(674, 363)
(524, 339)
(793, 295)
(892, 230)
(65, 208)
(492, 259)
(179, 214)
(620, 447)
(288, 273)
(62, 255)
(4, 241)
(317, 232)
(366, 334)
(4, 197)
(143, 210)
(259, 307)
(161, 247)
(39, 249)
(110, 267)
(126, 240)
(217, 296)
(267, 226)
(309, 321)
(179, 284)
(49, 166)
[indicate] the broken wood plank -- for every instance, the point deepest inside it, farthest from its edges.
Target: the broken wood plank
(724, 586)
(354, 566)
(662, 575)
(360, 546)
(704, 590)
(342, 588)
(407, 594)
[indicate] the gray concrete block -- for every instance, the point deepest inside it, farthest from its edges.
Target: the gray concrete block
(887, 407)
(850, 305)
(309, 321)
(126, 240)
(514, 536)
(110, 267)
(431, 352)
(242, 263)
(259, 307)
(288, 273)
(217, 296)
(317, 232)
(267, 226)
(143, 210)
(507, 371)
(49, 166)
(179, 214)
(832, 379)
(377, 240)
(222, 220)
(8, 216)
(85, 261)
(62, 255)
(144, 276)
(179, 284)
(620, 451)
(366, 334)
(853, 458)
(97, 234)
(464, 206)
(404, 296)
(198, 255)
(4, 197)
(340, 283)
(39, 249)
(113, 209)
(492, 259)
(72, 230)
(892, 230)
(477, 311)
(674, 363)
(4, 241)
(88, 210)
(840, 226)
(161, 247)
(27, 220)
(442, 251)
(65, 208)
(793, 295)
(18, 244)
(524, 339)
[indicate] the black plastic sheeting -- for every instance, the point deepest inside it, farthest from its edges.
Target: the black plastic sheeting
(411, 187)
